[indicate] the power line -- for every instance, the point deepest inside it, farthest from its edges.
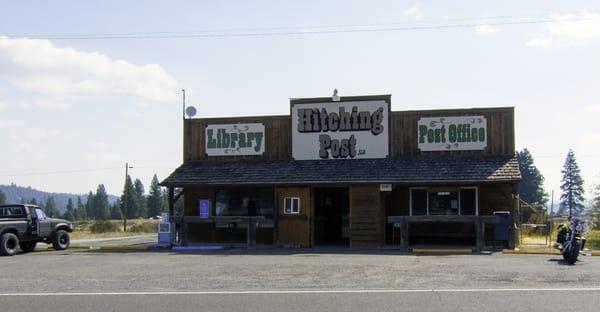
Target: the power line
(56, 172)
(296, 31)
(78, 171)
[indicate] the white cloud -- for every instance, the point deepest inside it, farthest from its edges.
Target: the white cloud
(592, 108)
(485, 29)
(11, 124)
(26, 147)
(568, 30)
(55, 77)
(414, 12)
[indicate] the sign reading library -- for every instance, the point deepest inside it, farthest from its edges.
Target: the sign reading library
(340, 130)
(452, 133)
(235, 140)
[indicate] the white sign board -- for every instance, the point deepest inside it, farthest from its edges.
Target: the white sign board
(464, 133)
(340, 130)
(235, 139)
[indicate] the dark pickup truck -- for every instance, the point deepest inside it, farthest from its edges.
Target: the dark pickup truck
(26, 225)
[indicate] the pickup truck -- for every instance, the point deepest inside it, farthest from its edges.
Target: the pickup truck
(25, 225)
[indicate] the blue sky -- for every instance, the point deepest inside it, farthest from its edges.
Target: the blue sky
(84, 104)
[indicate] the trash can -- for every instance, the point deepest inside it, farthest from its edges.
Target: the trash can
(502, 229)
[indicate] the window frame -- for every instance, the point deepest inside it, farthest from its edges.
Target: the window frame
(410, 202)
(291, 211)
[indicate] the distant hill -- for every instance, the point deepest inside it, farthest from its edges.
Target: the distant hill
(15, 193)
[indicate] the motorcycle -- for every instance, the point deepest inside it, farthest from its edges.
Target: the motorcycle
(570, 240)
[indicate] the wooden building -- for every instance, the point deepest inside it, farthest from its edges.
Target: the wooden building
(348, 172)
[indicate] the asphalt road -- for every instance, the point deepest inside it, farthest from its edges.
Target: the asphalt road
(295, 281)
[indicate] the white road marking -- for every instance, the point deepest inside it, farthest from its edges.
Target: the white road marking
(284, 292)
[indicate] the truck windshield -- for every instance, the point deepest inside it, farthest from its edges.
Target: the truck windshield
(40, 214)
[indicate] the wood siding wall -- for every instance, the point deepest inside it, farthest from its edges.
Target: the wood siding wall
(366, 216)
(500, 130)
(278, 140)
(403, 127)
(294, 230)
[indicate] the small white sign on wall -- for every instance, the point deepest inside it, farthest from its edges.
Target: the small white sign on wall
(462, 133)
(235, 139)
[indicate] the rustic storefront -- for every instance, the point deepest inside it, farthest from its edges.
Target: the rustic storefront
(348, 173)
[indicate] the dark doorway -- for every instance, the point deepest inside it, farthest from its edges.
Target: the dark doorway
(331, 216)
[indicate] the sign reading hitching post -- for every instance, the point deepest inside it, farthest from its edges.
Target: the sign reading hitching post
(340, 130)
(452, 133)
(235, 139)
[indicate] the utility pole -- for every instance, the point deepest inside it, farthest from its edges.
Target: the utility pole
(127, 167)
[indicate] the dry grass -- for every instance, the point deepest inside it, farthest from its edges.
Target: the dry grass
(134, 227)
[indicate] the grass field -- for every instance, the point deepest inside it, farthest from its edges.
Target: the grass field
(592, 237)
(112, 228)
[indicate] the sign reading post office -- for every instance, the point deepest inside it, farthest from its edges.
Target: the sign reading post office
(340, 130)
(462, 133)
(235, 139)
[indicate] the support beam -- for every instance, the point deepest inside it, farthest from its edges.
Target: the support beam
(171, 195)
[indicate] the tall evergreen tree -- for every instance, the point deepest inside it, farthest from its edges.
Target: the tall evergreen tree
(128, 198)
(101, 204)
(70, 211)
(115, 210)
(2, 198)
(80, 213)
(571, 199)
(155, 198)
(51, 210)
(89, 206)
(595, 209)
(139, 200)
(531, 188)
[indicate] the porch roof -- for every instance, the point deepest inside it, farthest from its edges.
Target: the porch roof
(403, 170)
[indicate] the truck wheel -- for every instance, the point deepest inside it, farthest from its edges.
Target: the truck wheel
(8, 244)
(28, 246)
(61, 240)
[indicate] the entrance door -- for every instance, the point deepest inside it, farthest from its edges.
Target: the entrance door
(331, 216)
(295, 214)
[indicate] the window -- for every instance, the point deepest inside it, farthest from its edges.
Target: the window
(462, 201)
(11, 212)
(291, 205)
(245, 202)
(443, 203)
(419, 202)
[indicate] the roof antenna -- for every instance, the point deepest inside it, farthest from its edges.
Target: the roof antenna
(335, 97)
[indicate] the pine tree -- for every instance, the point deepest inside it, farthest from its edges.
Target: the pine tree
(2, 198)
(101, 204)
(70, 211)
(127, 199)
(571, 199)
(80, 213)
(89, 206)
(531, 188)
(139, 200)
(155, 198)
(51, 210)
(595, 209)
(115, 211)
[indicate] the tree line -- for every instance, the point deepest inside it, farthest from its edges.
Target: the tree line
(572, 198)
(133, 202)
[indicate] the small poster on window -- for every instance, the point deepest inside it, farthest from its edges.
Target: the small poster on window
(204, 208)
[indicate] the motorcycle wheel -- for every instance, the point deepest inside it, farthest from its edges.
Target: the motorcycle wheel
(573, 254)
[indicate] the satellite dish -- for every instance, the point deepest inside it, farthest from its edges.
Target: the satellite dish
(190, 111)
